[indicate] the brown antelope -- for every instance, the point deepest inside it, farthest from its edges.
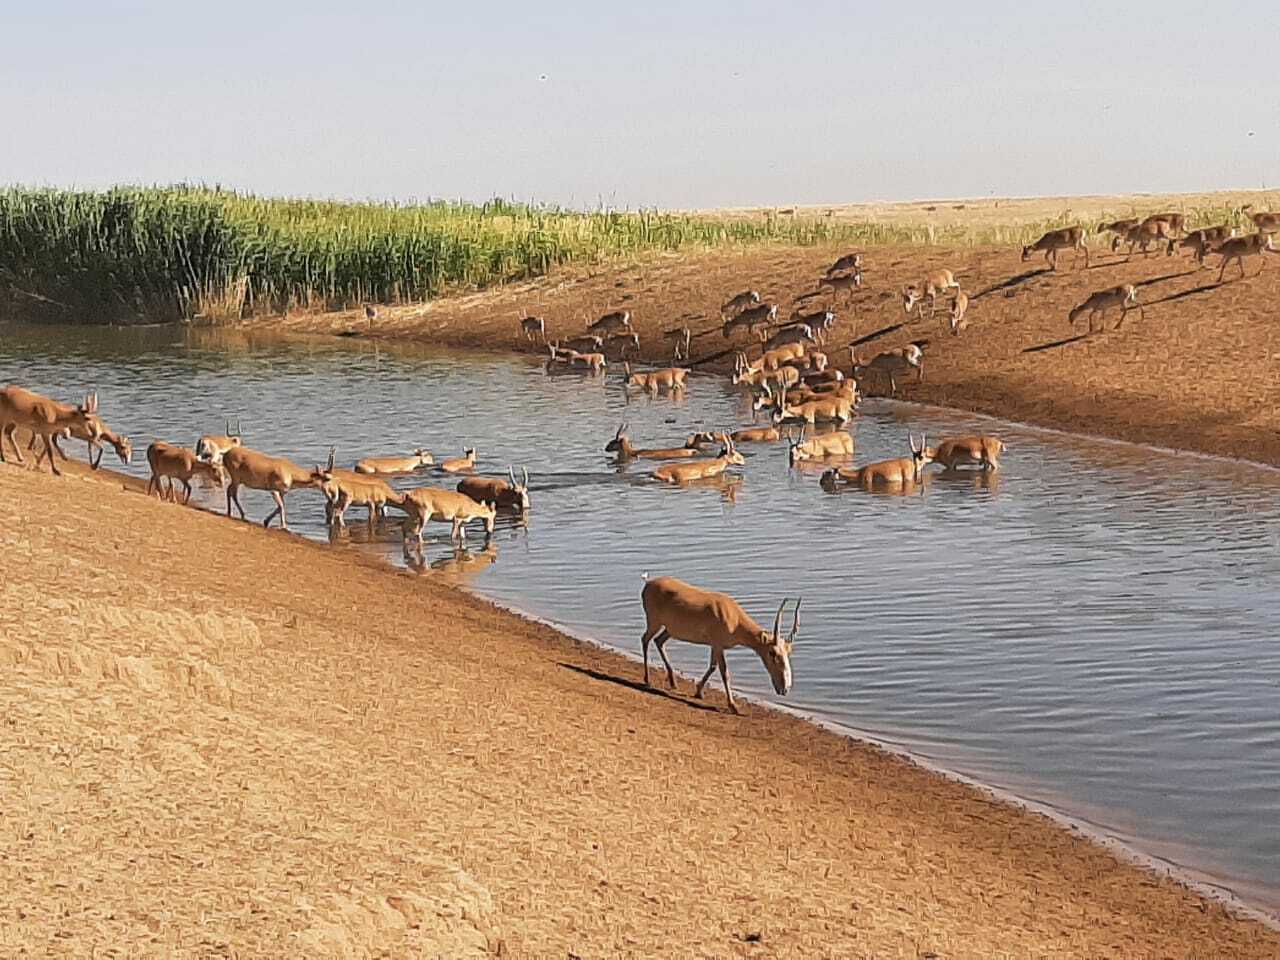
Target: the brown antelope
(837, 409)
(814, 362)
(619, 321)
(1068, 238)
(1263, 221)
(1118, 229)
(756, 435)
(531, 326)
(760, 315)
(1149, 232)
(668, 378)
(593, 363)
(213, 446)
(501, 494)
(1176, 222)
(779, 356)
(739, 301)
(1124, 296)
(620, 344)
(795, 333)
(889, 473)
(848, 282)
(343, 489)
(959, 307)
(681, 338)
(675, 610)
(1237, 248)
(762, 379)
(430, 503)
(621, 445)
(850, 261)
(1201, 242)
(933, 285)
(171, 462)
(891, 363)
(408, 464)
(45, 418)
(965, 451)
(820, 321)
(260, 471)
(95, 433)
(584, 343)
(824, 446)
(703, 468)
(462, 464)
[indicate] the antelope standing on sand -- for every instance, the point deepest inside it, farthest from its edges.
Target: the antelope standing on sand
(959, 307)
(902, 471)
(1237, 248)
(825, 446)
(583, 343)
(932, 286)
(1068, 238)
(260, 471)
(675, 610)
(430, 503)
(667, 378)
(760, 315)
(1149, 232)
(621, 344)
(407, 464)
(95, 433)
(1176, 222)
(848, 282)
(462, 464)
(739, 301)
(850, 261)
(1097, 304)
(619, 321)
(984, 451)
(681, 338)
(1201, 242)
(1118, 229)
(891, 363)
(621, 445)
(795, 333)
(171, 462)
(531, 326)
(213, 446)
(701, 469)
(498, 493)
(44, 417)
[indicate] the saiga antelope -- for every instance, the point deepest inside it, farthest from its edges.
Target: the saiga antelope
(45, 418)
(890, 363)
(764, 379)
(1118, 229)
(407, 464)
(681, 338)
(848, 282)
(838, 409)
(1176, 222)
(212, 446)
(500, 494)
(1149, 232)
(898, 472)
(778, 356)
(824, 446)
(259, 471)
(1068, 238)
(739, 301)
(959, 307)
(593, 363)
(850, 261)
(1263, 221)
(1124, 296)
(461, 464)
(621, 344)
(758, 316)
(796, 333)
(1201, 242)
(667, 378)
(529, 326)
(621, 445)
(95, 433)
(675, 610)
(701, 469)
(429, 503)
(583, 343)
(1237, 248)
(343, 489)
(619, 321)
(171, 462)
(756, 435)
(933, 285)
(964, 451)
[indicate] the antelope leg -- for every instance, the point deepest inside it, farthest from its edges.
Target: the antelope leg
(660, 642)
(724, 675)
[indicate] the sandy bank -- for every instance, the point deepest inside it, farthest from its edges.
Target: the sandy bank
(222, 740)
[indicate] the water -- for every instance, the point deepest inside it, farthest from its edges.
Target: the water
(1095, 630)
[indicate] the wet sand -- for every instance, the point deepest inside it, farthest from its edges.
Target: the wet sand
(221, 741)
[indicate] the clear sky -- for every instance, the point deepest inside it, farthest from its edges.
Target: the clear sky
(652, 103)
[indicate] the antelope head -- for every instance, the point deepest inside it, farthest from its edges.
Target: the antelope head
(794, 452)
(729, 452)
(619, 440)
(520, 491)
(910, 297)
(920, 456)
(775, 652)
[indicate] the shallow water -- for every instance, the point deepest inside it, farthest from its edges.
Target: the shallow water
(1095, 630)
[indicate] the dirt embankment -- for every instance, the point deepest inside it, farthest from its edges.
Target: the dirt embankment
(224, 742)
(1196, 373)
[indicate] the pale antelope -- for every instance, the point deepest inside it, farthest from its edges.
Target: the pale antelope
(814, 362)
(531, 326)
(213, 446)
(901, 471)
(619, 321)
(1237, 248)
(850, 261)
(1201, 242)
(671, 379)
(1263, 221)
(837, 409)
(824, 446)
(1118, 229)
(959, 307)
(892, 363)
(1149, 232)
(1097, 304)
(621, 445)
(765, 379)
(45, 418)
(621, 344)
(593, 363)
(95, 433)
(1068, 238)
(756, 435)
(344, 489)
(760, 315)
(171, 462)
(848, 282)
(740, 301)
(462, 464)
(930, 288)
(583, 343)
(430, 503)
(983, 451)
(675, 610)
(511, 494)
(260, 471)
(778, 356)
(703, 468)
(407, 464)
(680, 338)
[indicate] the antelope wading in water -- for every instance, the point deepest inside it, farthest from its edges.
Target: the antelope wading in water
(212, 446)
(675, 610)
(824, 446)
(260, 471)
(593, 363)
(621, 446)
(701, 469)
(891, 363)
(667, 378)
(739, 301)
(1238, 248)
(396, 464)
(1202, 242)
(460, 464)
(45, 418)
(902, 471)
(1068, 238)
(430, 503)
(933, 285)
(617, 322)
(761, 315)
(956, 452)
(1097, 304)
(531, 326)
(501, 494)
(171, 462)
(345, 488)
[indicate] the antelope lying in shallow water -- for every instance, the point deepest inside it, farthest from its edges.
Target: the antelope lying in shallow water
(46, 418)
(667, 378)
(621, 445)
(983, 451)
(824, 446)
(430, 503)
(406, 464)
(460, 464)
(259, 471)
(900, 471)
(498, 493)
(1124, 296)
(171, 462)
(836, 408)
(701, 469)
(675, 610)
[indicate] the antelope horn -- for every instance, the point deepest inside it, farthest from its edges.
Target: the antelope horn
(227, 426)
(511, 472)
(525, 473)
(795, 621)
(239, 429)
(333, 453)
(777, 619)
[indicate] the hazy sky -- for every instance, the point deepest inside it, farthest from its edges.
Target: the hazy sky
(652, 103)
